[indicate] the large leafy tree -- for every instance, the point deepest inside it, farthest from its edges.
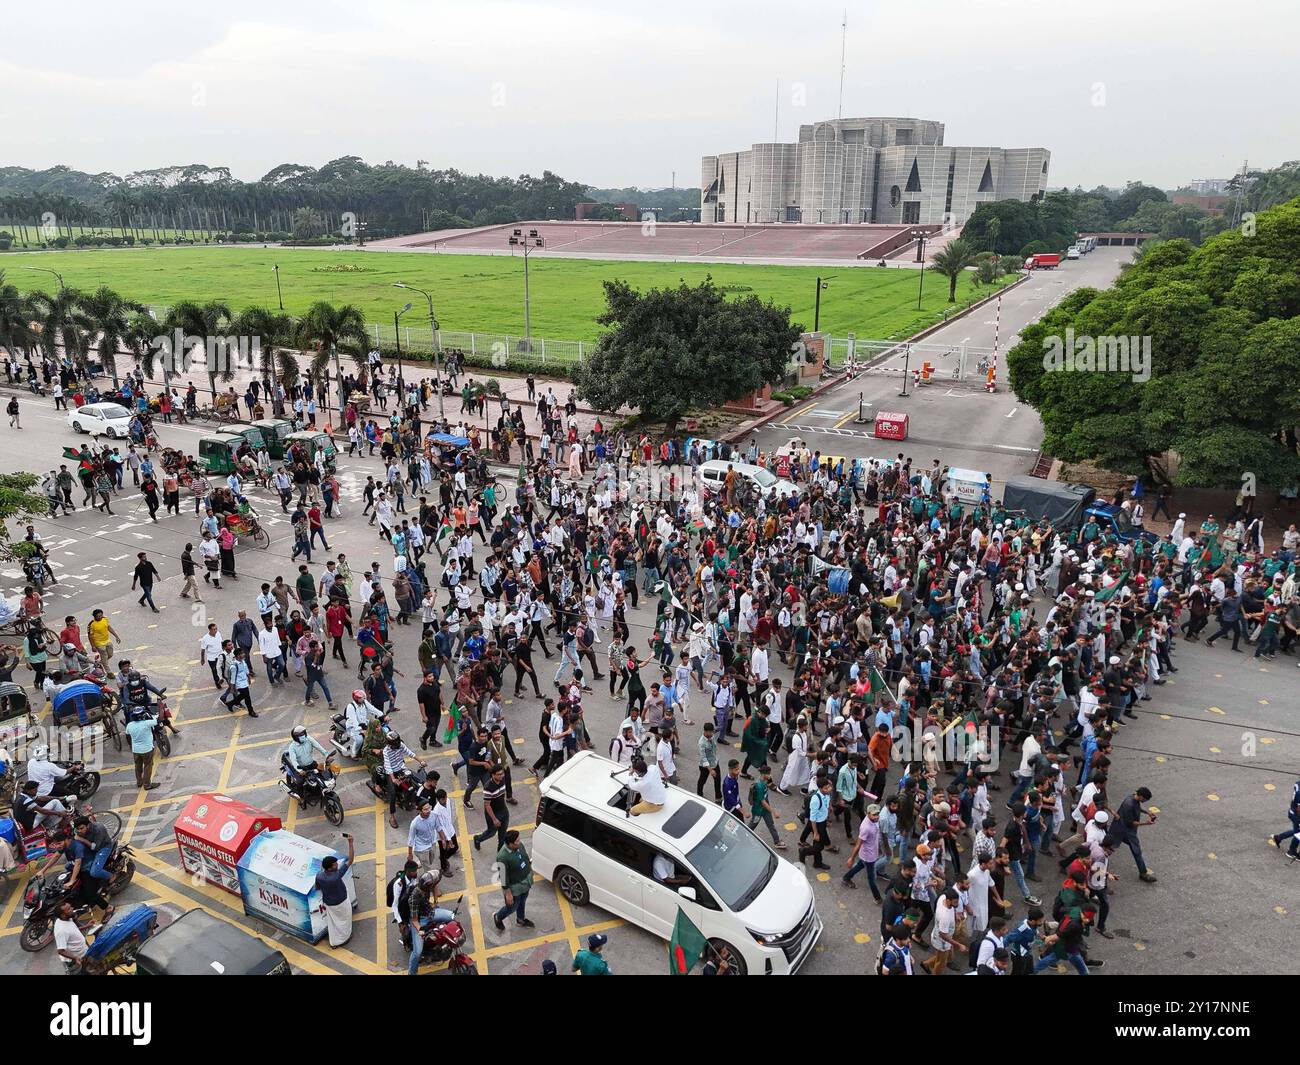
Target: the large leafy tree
(1223, 325)
(667, 350)
(63, 324)
(16, 317)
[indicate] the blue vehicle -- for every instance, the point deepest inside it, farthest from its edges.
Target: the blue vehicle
(118, 941)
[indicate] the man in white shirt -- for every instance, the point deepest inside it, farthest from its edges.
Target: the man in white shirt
(648, 782)
(268, 643)
(664, 758)
(210, 651)
(68, 939)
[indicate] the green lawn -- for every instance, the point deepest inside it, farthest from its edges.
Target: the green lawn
(483, 293)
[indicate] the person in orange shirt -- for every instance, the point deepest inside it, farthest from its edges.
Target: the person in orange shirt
(879, 749)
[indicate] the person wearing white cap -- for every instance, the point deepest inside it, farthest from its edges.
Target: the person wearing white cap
(1180, 527)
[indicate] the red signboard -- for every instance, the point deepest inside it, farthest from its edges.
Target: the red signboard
(212, 833)
(891, 426)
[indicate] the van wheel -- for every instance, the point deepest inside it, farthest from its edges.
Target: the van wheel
(572, 886)
(735, 963)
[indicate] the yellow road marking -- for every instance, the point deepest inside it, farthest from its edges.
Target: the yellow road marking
(795, 413)
(848, 417)
(381, 866)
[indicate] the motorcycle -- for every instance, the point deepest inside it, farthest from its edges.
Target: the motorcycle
(45, 894)
(163, 715)
(37, 572)
(79, 781)
(317, 786)
(408, 784)
(443, 942)
(340, 740)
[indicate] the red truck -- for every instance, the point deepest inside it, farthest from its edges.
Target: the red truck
(1042, 260)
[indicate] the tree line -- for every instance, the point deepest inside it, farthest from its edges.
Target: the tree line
(117, 331)
(390, 199)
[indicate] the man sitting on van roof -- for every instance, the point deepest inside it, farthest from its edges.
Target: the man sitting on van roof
(647, 781)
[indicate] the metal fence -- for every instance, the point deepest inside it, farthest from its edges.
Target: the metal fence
(539, 351)
(956, 362)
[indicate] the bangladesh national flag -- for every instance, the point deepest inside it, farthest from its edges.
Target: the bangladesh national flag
(878, 684)
(686, 947)
(1107, 594)
(443, 534)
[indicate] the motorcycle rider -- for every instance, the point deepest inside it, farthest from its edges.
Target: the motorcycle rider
(74, 663)
(32, 810)
(394, 754)
(425, 913)
(52, 779)
(356, 716)
(298, 760)
(135, 689)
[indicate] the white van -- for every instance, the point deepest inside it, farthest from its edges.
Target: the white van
(714, 475)
(970, 487)
(754, 907)
(1073, 252)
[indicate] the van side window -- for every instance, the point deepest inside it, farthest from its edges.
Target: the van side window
(564, 819)
(625, 849)
(702, 894)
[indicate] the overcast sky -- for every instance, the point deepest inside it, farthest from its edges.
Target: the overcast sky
(613, 93)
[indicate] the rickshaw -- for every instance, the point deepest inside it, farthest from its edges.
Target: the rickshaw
(16, 722)
(239, 516)
(275, 432)
(118, 941)
(82, 702)
(199, 944)
(312, 441)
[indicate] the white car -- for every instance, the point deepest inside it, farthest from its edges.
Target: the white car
(754, 907)
(714, 475)
(101, 419)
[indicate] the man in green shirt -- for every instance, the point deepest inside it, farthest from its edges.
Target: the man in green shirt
(590, 962)
(516, 881)
(759, 807)
(305, 586)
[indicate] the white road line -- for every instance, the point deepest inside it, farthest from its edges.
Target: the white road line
(1011, 412)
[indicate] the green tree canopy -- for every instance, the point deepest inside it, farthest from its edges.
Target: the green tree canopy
(1223, 325)
(670, 349)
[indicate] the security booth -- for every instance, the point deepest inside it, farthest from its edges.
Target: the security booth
(891, 425)
(212, 834)
(199, 944)
(277, 880)
(275, 432)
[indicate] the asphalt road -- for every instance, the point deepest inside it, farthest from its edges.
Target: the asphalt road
(1218, 747)
(957, 422)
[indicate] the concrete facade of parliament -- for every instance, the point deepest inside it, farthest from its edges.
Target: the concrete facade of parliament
(880, 170)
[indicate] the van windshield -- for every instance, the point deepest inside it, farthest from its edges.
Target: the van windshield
(763, 478)
(733, 862)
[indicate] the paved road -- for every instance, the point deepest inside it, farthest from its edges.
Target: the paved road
(955, 421)
(1220, 905)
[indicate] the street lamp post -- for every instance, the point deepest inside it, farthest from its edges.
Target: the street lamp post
(278, 294)
(919, 235)
(45, 270)
(397, 339)
(518, 239)
(817, 306)
(437, 348)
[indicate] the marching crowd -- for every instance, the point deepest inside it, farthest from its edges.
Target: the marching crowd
(932, 688)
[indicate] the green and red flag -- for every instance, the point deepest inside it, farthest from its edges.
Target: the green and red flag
(686, 947)
(1107, 594)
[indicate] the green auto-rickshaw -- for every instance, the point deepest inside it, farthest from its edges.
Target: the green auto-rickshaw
(312, 441)
(275, 431)
(217, 454)
(250, 434)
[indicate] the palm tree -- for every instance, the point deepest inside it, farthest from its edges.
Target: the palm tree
(109, 315)
(952, 261)
(275, 332)
(16, 316)
(331, 327)
(204, 322)
(141, 342)
(63, 322)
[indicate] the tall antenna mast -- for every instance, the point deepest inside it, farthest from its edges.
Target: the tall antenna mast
(844, 33)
